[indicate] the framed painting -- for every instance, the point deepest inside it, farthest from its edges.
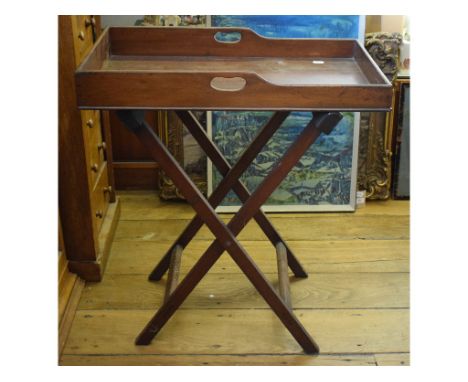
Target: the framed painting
(325, 177)
(376, 128)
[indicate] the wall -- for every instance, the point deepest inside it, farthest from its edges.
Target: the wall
(385, 23)
(119, 20)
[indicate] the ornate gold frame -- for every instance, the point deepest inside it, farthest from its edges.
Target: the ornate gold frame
(173, 138)
(375, 155)
(376, 129)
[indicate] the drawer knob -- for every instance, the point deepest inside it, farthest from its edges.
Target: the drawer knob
(95, 167)
(107, 189)
(99, 214)
(90, 123)
(81, 35)
(90, 21)
(102, 146)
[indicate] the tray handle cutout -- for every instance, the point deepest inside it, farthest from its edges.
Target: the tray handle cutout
(228, 84)
(228, 37)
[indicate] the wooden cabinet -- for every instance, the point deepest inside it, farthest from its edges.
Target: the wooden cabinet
(91, 124)
(88, 207)
(84, 29)
(134, 167)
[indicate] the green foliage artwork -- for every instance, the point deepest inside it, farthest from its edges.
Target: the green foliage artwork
(322, 176)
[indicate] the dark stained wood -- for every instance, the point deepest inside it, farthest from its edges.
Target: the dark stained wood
(233, 174)
(277, 71)
(151, 67)
(97, 26)
(201, 42)
(86, 188)
(125, 146)
(120, 144)
(226, 239)
(74, 200)
(98, 53)
(226, 236)
(230, 181)
(149, 90)
(137, 176)
(88, 270)
(133, 166)
(148, 69)
(397, 86)
(367, 64)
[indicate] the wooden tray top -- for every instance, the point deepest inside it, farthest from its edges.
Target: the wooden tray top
(196, 68)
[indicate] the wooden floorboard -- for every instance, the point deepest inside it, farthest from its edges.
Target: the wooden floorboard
(239, 331)
(355, 302)
(392, 359)
(316, 256)
(146, 205)
(317, 227)
(234, 291)
(219, 360)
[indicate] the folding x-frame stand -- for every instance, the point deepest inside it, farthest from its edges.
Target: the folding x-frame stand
(322, 122)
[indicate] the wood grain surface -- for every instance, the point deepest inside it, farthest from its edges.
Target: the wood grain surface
(241, 331)
(316, 256)
(234, 291)
(355, 302)
(312, 227)
(148, 68)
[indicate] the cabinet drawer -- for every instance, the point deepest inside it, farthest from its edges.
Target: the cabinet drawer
(100, 198)
(82, 26)
(93, 143)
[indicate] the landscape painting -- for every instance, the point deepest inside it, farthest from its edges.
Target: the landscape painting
(313, 26)
(325, 177)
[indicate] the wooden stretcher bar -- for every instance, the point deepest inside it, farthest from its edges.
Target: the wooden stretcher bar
(174, 269)
(283, 278)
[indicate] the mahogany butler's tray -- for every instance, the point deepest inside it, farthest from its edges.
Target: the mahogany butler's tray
(193, 68)
(183, 69)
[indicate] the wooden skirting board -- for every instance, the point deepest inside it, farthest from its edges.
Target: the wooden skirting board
(70, 287)
(136, 175)
(69, 313)
(66, 282)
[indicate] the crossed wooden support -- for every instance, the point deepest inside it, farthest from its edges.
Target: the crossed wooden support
(322, 122)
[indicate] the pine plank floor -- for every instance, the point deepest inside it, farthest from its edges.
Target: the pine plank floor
(355, 302)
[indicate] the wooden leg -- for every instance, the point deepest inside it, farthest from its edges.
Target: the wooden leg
(231, 180)
(225, 235)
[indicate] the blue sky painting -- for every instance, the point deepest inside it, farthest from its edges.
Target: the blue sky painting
(294, 26)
